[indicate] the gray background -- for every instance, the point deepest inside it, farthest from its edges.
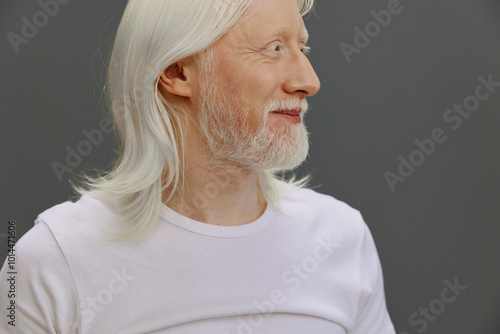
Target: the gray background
(440, 224)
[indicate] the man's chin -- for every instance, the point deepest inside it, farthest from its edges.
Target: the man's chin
(286, 154)
(288, 163)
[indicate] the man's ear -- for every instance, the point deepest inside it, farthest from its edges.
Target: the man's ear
(178, 78)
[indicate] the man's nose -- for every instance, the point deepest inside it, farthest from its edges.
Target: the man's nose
(300, 76)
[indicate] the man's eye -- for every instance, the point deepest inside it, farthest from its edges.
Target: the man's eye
(305, 50)
(275, 47)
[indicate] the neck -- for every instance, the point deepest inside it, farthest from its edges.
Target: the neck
(218, 195)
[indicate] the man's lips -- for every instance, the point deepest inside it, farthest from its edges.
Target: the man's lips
(292, 115)
(292, 112)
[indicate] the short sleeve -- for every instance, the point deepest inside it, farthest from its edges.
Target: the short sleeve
(373, 317)
(44, 293)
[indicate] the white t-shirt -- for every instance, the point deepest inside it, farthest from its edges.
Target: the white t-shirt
(312, 267)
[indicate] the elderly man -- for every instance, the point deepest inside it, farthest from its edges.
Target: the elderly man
(191, 232)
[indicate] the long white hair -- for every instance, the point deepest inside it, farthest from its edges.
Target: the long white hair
(152, 35)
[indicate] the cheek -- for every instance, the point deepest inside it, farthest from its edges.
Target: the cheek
(265, 87)
(247, 94)
(264, 83)
(248, 116)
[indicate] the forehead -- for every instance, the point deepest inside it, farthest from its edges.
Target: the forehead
(267, 19)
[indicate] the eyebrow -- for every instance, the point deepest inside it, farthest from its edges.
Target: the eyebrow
(284, 31)
(305, 35)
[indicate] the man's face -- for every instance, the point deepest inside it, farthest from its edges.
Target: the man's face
(253, 86)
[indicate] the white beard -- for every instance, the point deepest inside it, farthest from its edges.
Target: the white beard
(261, 148)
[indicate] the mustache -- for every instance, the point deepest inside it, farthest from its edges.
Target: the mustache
(290, 104)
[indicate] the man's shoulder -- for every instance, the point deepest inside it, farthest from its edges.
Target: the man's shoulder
(315, 201)
(85, 216)
(67, 220)
(84, 205)
(321, 213)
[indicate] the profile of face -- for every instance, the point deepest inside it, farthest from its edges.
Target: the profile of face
(253, 85)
